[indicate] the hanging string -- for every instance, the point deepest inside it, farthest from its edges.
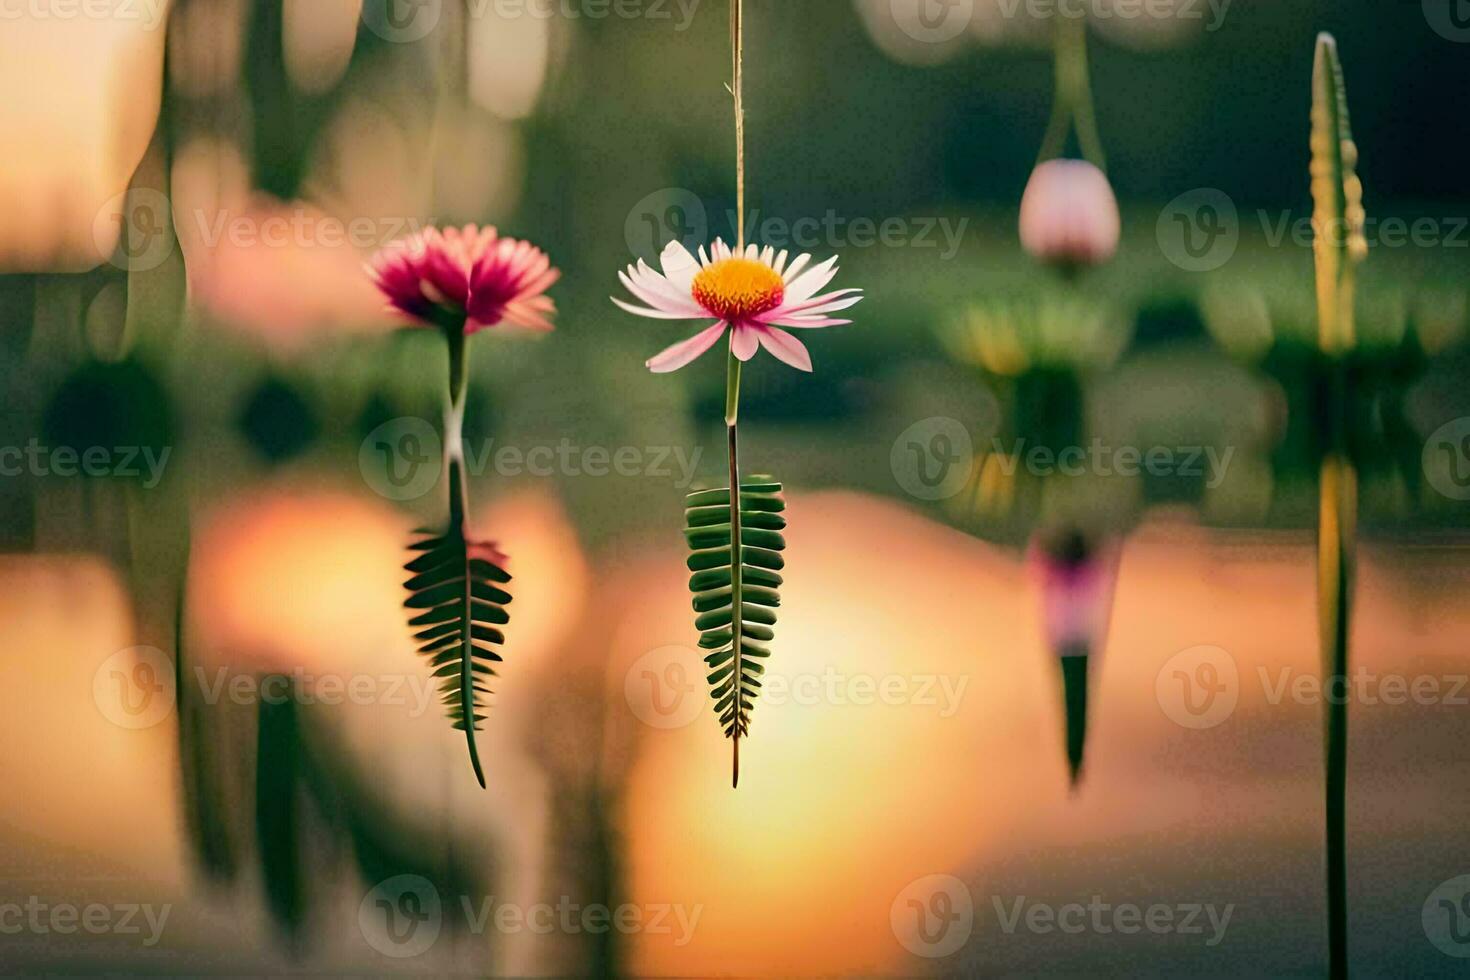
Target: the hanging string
(737, 89)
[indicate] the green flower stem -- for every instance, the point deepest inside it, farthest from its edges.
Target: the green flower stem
(737, 557)
(1337, 541)
(732, 385)
(459, 382)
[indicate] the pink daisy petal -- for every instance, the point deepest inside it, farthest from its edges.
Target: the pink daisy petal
(802, 323)
(679, 267)
(807, 286)
(685, 351)
(658, 285)
(506, 273)
(786, 348)
(797, 264)
(662, 299)
(651, 313)
(830, 303)
(745, 342)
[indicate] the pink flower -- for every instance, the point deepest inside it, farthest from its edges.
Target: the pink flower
(753, 294)
(469, 278)
(1076, 579)
(1069, 215)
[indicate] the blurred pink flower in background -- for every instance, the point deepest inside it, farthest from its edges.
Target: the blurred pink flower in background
(754, 294)
(1069, 216)
(249, 272)
(468, 277)
(1076, 578)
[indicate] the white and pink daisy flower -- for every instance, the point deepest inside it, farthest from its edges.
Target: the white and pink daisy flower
(752, 294)
(470, 277)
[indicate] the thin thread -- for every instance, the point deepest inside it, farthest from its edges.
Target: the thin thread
(737, 51)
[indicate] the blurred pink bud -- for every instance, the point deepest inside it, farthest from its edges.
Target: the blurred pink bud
(1069, 216)
(1076, 579)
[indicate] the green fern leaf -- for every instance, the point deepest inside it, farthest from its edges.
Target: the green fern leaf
(458, 606)
(716, 530)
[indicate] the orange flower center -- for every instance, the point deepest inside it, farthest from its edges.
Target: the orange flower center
(737, 289)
